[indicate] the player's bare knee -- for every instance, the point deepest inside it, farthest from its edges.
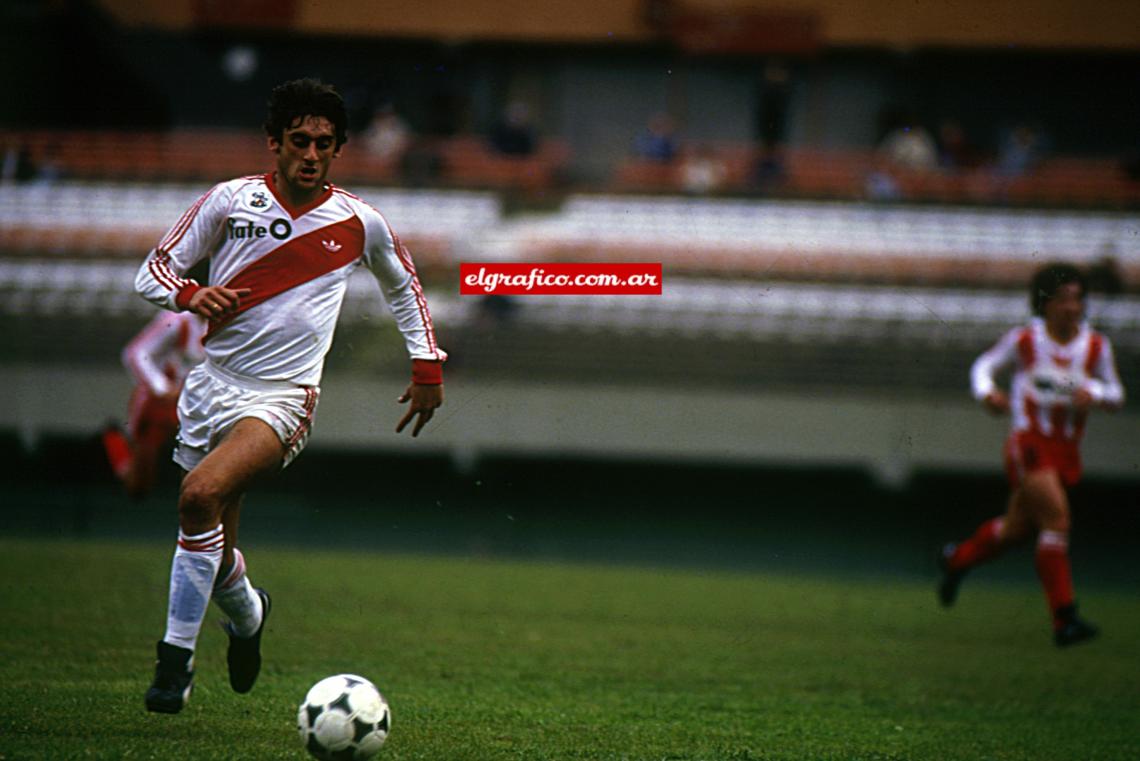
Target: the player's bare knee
(200, 503)
(1055, 520)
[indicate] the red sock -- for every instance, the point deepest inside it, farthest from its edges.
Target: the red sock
(118, 451)
(983, 545)
(1053, 569)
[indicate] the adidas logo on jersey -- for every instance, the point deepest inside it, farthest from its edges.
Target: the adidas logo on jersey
(331, 246)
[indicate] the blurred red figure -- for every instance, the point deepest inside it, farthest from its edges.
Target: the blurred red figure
(158, 358)
(1062, 369)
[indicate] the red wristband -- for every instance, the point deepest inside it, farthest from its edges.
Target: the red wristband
(427, 372)
(185, 293)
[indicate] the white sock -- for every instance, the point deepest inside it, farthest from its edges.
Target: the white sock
(196, 563)
(237, 598)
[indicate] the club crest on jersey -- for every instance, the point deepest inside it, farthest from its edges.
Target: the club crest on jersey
(331, 246)
(258, 200)
(239, 229)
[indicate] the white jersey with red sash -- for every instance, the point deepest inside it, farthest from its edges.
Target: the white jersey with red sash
(1046, 373)
(296, 263)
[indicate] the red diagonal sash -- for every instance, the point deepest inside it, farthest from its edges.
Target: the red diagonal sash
(296, 262)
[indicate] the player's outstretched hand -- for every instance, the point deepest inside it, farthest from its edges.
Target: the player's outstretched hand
(216, 301)
(425, 399)
(997, 402)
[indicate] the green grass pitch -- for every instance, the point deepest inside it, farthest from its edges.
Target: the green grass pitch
(486, 659)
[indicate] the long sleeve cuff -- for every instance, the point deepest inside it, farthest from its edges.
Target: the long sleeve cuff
(185, 293)
(427, 372)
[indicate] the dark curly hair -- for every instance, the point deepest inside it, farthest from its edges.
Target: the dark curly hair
(292, 101)
(1048, 279)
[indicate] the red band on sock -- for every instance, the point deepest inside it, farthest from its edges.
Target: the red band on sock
(227, 577)
(210, 541)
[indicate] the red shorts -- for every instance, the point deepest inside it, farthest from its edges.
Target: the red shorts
(1029, 451)
(153, 420)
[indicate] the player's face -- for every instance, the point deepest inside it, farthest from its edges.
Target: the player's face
(303, 155)
(1065, 309)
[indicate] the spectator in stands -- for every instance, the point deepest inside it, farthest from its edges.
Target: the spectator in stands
(880, 183)
(955, 151)
(514, 134)
(17, 164)
(1062, 369)
(658, 142)
(702, 171)
(1020, 152)
(773, 99)
(767, 170)
(910, 146)
(387, 135)
(158, 359)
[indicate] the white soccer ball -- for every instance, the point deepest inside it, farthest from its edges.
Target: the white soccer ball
(343, 718)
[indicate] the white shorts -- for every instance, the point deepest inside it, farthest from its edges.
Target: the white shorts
(213, 400)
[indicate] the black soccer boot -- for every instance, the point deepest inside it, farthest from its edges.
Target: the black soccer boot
(244, 653)
(1072, 629)
(948, 585)
(173, 679)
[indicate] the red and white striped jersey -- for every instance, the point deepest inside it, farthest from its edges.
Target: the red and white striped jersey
(296, 262)
(1045, 375)
(165, 351)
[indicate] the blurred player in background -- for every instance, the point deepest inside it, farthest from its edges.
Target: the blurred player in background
(1062, 368)
(281, 247)
(158, 358)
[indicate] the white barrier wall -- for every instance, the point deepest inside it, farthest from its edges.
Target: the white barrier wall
(889, 436)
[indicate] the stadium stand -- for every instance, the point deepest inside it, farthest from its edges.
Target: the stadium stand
(692, 313)
(1072, 182)
(114, 220)
(728, 237)
(212, 155)
(851, 242)
(467, 161)
(786, 253)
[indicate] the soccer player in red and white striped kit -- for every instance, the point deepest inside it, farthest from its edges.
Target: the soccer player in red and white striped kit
(281, 247)
(158, 358)
(1062, 368)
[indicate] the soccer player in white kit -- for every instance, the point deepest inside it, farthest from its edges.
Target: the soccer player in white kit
(1062, 369)
(159, 359)
(281, 247)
